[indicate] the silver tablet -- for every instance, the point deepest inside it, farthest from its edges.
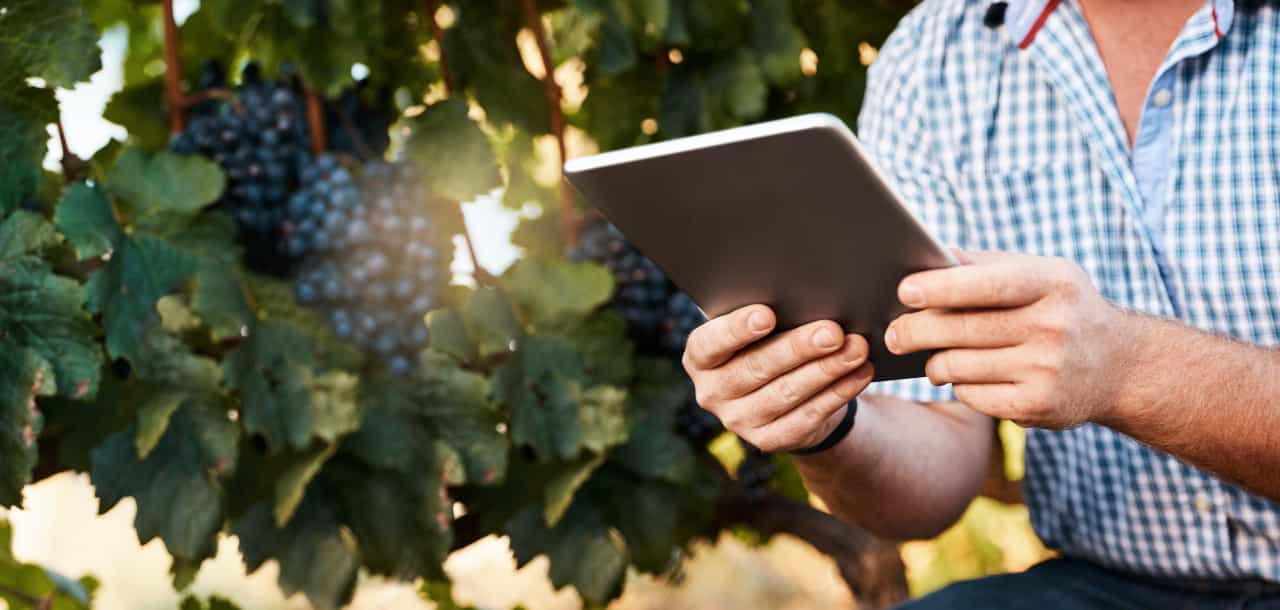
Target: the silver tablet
(788, 213)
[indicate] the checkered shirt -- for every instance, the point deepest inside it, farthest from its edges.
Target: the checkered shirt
(1008, 138)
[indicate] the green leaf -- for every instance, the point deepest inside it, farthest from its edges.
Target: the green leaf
(135, 108)
(20, 372)
(547, 291)
(606, 349)
(177, 485)
(24, 113)
(153, 419)
(459, 409)
(602, 417)
(52, 39)
(440, 593)
(84, 216)
(291, 485)
(653, 449)
(560, 490)
(541, 386)
(491, 322)
(44, 312)
(164, 190)
(285, 399)
(582, 549)
(317, 555)
(742, 87)
(449, 334)
(25, 233)
(126, 289)
(777, 41)
(20, 583)
(452, 151)
(218, 298)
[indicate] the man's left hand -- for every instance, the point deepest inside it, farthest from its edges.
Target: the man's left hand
(1024, 338)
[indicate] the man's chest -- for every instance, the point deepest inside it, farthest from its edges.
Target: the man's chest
(1188, 226)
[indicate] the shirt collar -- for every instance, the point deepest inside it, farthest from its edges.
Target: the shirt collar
(1024, 18)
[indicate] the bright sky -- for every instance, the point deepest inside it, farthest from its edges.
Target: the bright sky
(490, 224)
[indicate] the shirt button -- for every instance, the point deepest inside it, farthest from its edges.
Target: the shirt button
(1203, 504)
(1162, 98)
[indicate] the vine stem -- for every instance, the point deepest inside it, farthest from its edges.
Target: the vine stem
(173, 72)
(315, 121)
(30, 600)
(437, 34)
(71, 164)
(482, 275)
(570, 220)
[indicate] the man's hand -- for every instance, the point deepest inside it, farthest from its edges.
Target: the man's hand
(1022, 338)
(781, 393)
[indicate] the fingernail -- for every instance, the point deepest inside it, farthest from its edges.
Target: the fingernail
(911, 295)
(758, 321)
(891, 339)
(825, 339)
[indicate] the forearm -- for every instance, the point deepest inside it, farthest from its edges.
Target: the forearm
(1208, 400)
(906, 470)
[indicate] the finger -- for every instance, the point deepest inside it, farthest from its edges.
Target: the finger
(806, 425)
(947, 329)
(716, 341)
(757, 366)
(974, 366)
(999, 400)
(781, 395)
(1007, 283)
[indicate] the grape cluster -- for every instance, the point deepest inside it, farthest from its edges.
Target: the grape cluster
(755, 471)
(376, 291)
(259, 138)
(659, 317)
(326, 213)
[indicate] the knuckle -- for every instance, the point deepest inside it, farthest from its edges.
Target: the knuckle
(705, 396)
(785, 391)
(733, 422)
(938, 369)
(847, 389)
(753, 368)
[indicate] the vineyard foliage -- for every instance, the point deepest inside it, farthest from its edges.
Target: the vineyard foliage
(242, 316)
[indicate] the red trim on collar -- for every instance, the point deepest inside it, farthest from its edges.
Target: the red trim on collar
(1217, 31)
(1035, 27)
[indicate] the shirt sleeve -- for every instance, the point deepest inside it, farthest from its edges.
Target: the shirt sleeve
(897, 132)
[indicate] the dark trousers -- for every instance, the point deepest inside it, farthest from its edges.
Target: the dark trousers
(1071, 584)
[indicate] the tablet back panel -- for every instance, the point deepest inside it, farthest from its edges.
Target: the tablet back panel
(787, 213)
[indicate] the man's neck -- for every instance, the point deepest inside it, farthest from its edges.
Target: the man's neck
(1133, 37)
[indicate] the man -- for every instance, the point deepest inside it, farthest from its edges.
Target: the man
(1111, 169)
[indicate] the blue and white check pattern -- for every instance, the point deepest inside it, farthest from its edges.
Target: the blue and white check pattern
(1022, 149)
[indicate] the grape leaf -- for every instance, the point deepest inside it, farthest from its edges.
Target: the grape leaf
(291, 485)
(484, 61)
(20, 371)
(653, 449)
(164, 190)
(452, 152)
(52, 39)
(84, 216)
(602, 417)
(284, 399)
(654, 518)
(491, 322)
(449, 334)
(24, 113)
(135, 108)
(125, 291)
(608, 353)
(547, 291)
(440, 593)
(153, 419)
(218, 298)
(177, 486)
(777, 41)
(561, 488)
(22, 582)
(541, 386)
(44, 312)
(317, 555)
(583, 551)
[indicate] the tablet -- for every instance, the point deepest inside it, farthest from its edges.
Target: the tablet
(788, 213)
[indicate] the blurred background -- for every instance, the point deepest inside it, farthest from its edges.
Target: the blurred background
(621, 82)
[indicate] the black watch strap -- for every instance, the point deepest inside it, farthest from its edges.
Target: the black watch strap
(837, 435)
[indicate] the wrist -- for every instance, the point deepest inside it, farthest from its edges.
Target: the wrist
(1137, 344)
(835, 429)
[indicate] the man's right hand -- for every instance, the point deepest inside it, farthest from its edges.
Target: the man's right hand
(779, 393)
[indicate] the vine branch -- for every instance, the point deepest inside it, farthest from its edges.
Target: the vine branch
(481, 275)
(437, 34)
(72, 165)
(570, 220)
(173, 72)
(315, 121)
